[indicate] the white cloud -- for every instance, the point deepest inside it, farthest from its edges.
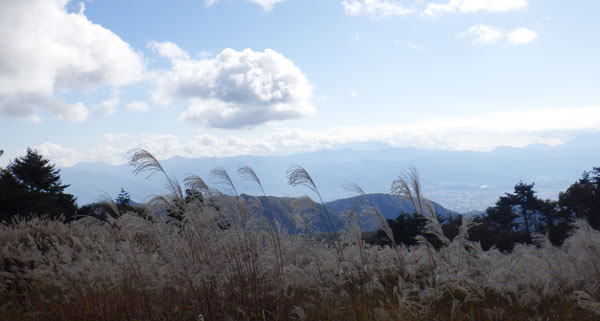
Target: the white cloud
(112, 137)
(376, 8)
(106, 154)
(137, 106)
(109, 106)
(388, 8)
(521, 36)
(236, 88)
(484, 34)
(480, 132)
(416, 47)
(266, 5)
(468, 6)
(169, 50)
(61, 156)
(46, 50)
(77, 112)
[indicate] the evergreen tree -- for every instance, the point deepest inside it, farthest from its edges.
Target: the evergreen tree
(582, 199)
(30, 186)
(36, 173)
(124, 198)
(513, 219)
(406, 227)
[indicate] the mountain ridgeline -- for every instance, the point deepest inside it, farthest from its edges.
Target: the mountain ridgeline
(460, 180)
(294, 213)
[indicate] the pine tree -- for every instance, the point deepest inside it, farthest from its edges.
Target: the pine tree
(30, 186)
(124, 198)
(582, 199)
(514, 218)
(36, 173)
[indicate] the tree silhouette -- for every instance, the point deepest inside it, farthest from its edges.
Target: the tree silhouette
(406, 227)
(513, 219)
(124, 198)
(30, 186)
(582, 199)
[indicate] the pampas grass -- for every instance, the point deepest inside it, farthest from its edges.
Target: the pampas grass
(202, 269)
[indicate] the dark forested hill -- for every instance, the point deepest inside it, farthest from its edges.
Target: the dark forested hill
(294, 212)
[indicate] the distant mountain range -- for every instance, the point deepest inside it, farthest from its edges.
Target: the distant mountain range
(460, 180)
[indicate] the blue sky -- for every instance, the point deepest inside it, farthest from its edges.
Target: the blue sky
(87, 81)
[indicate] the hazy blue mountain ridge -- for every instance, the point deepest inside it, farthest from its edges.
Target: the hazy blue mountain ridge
(459, 180)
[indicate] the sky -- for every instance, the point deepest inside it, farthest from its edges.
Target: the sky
(86, 81)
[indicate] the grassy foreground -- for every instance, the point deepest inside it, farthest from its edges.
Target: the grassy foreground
(248, 269)
(216, 257)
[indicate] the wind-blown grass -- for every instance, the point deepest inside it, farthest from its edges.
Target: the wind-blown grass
(202, 269)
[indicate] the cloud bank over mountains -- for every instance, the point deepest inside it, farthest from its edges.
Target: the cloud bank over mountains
(479, 133)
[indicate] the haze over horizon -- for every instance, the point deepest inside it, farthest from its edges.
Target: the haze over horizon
(85, 81)
(459, 180)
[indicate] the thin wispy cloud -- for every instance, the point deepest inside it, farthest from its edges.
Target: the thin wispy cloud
(109, 106)
(266, 5)
(416, 46)
(137, 106)
(376, 8)
(472, 6)
(395, 8)
(485, 34)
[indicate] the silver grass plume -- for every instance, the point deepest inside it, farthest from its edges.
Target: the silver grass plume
(195, 182)
(381, 221)
(248, 173)
(382, 224)
(223, 178)
(143, 161)
(297, 175)
(408, 186)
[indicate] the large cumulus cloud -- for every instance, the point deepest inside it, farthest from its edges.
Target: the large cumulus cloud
(235, 88)
(45, 50)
